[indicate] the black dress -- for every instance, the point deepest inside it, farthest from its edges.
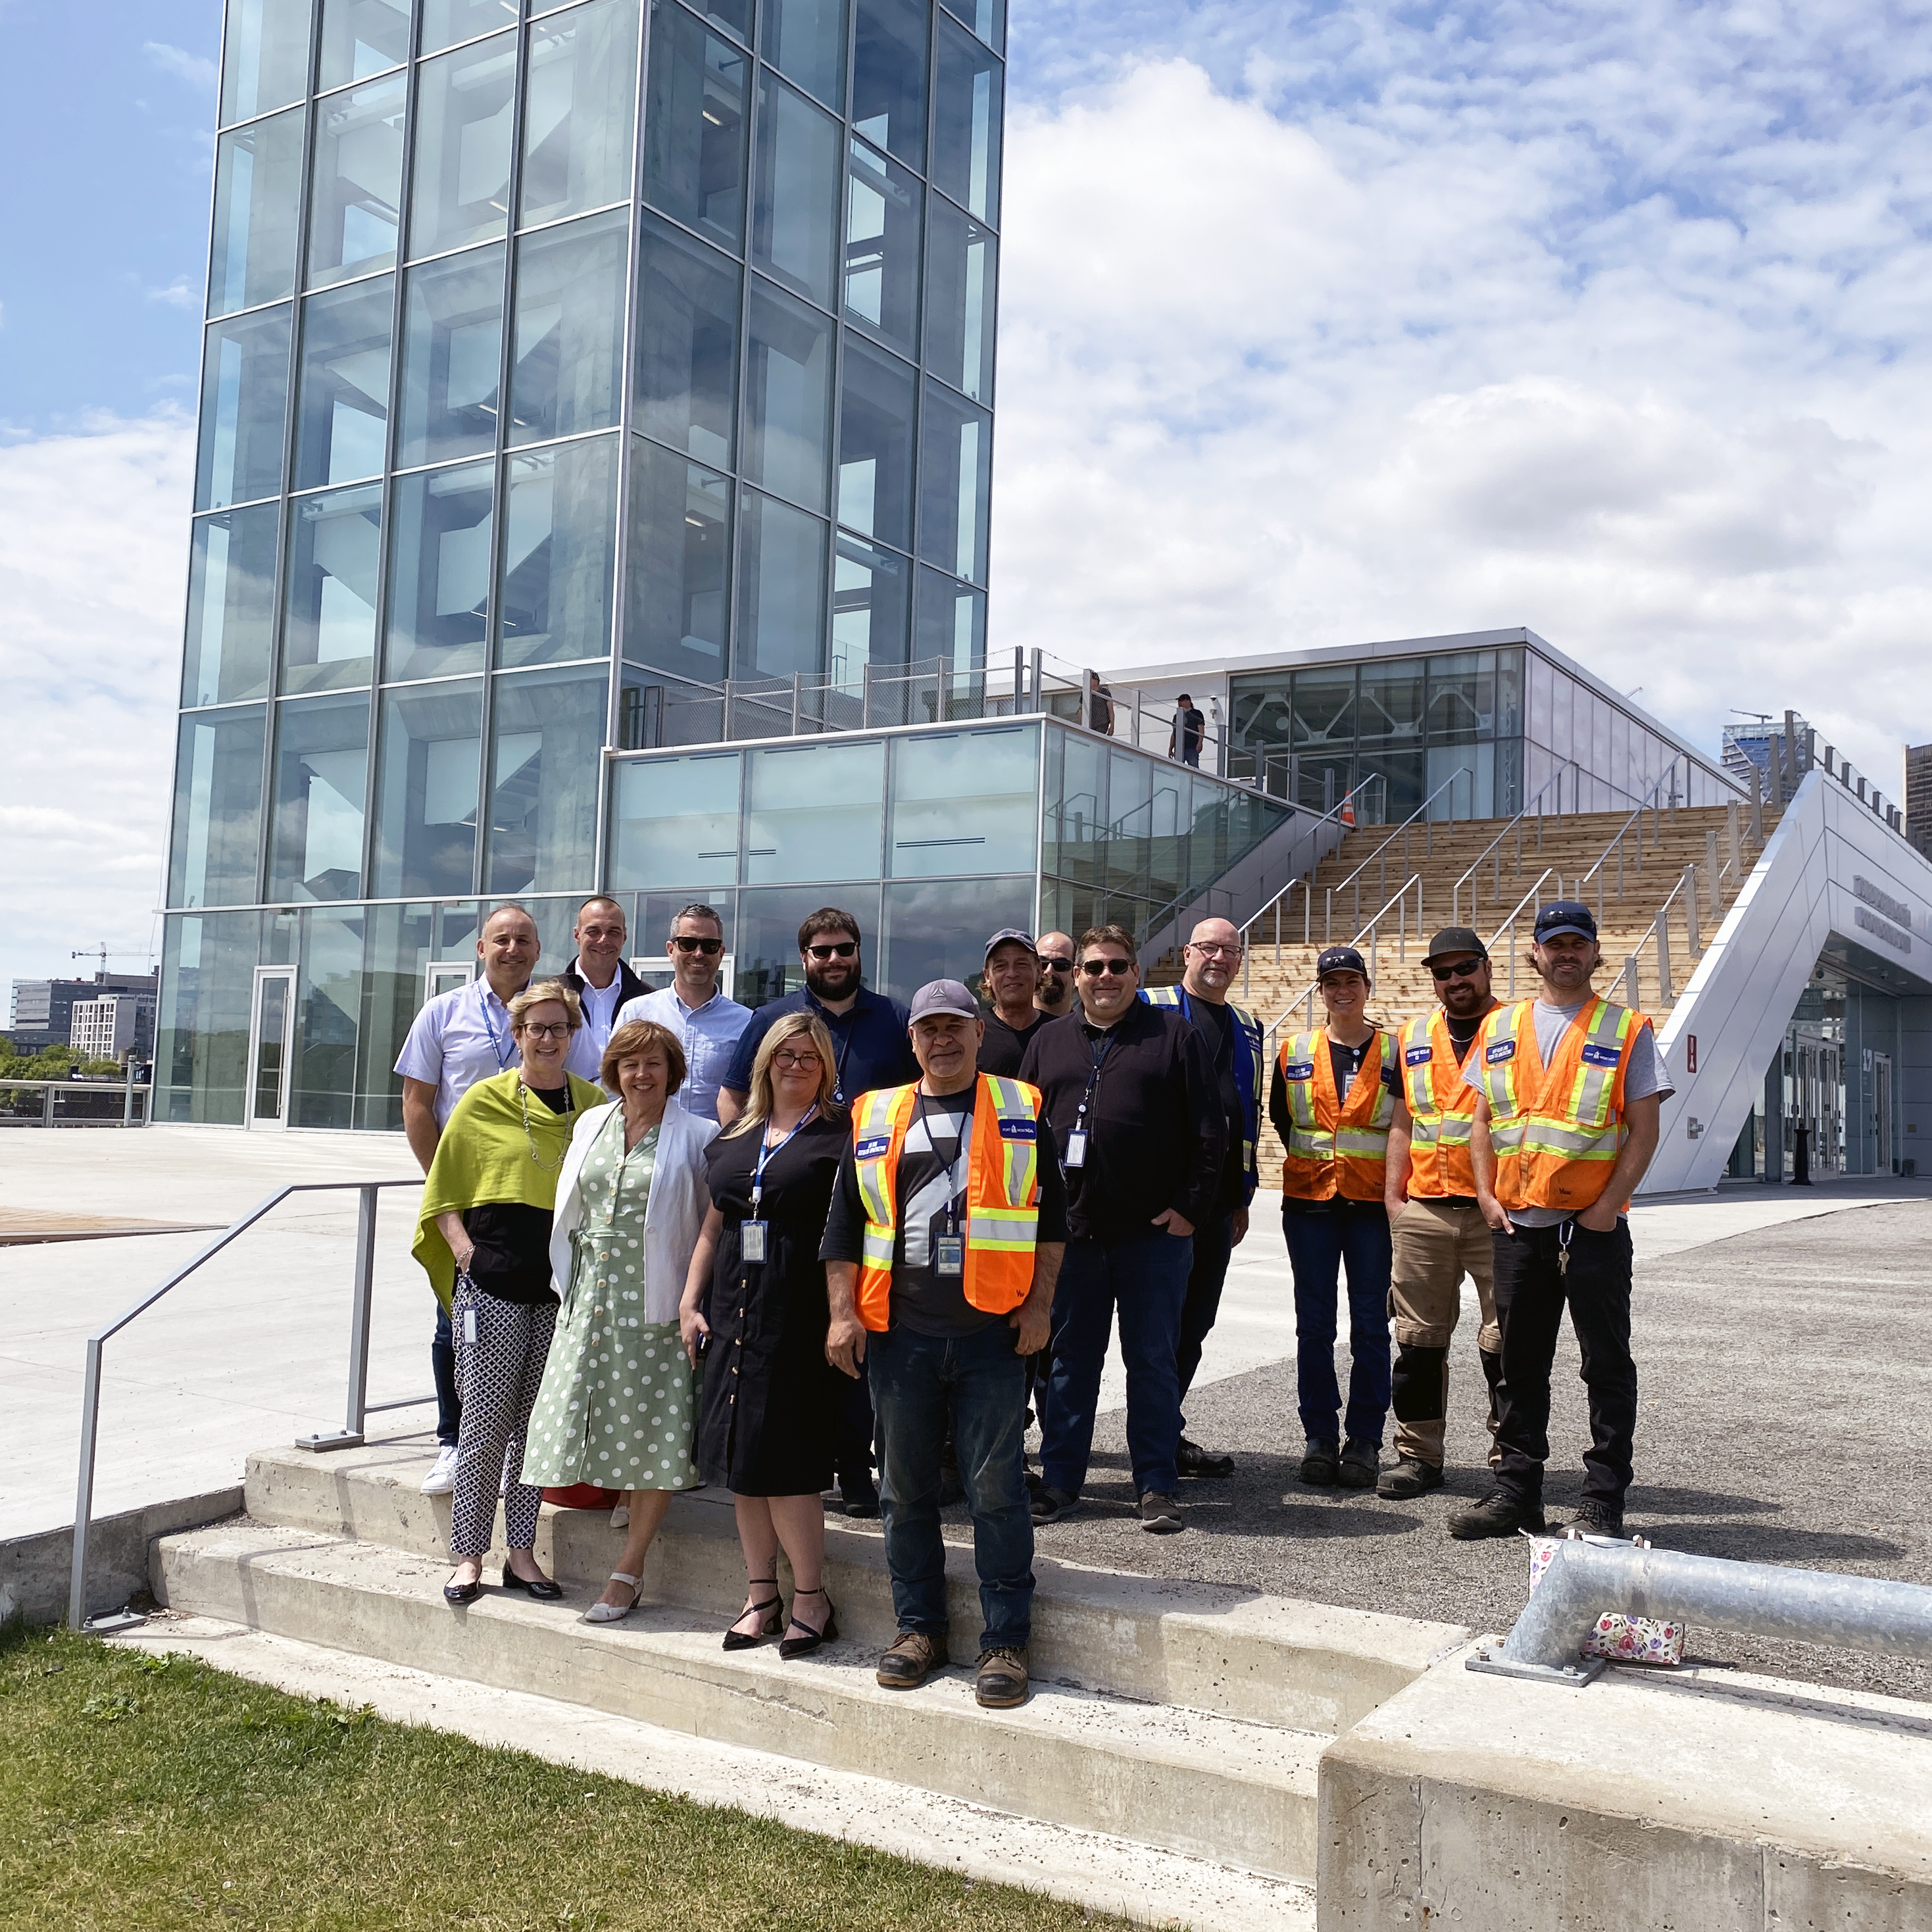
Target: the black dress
(766, 1416)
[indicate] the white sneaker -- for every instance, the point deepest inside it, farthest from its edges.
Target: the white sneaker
(442, 1478)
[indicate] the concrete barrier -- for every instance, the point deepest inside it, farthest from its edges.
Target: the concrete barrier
(34, 1570)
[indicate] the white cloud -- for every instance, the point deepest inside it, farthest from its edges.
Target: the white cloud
(179, 293)
(195, 69)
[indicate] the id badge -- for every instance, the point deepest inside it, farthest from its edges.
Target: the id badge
(469, 1327)
(751, 1241)
(948, 1255)
(1076, 1148)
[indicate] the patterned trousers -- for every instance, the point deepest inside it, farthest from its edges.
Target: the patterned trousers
(501, 1347)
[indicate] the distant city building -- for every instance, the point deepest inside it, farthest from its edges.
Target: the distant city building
(113, 1026)
(1917, 791)
(43, 1013)
(1746, 745)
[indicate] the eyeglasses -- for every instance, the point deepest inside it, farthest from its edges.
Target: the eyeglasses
(1463, 969)
(806, 1061)
(532, 1030)
(1113, 968)
(1211, 947)
(843, 949)
(706, 946)
(1053, 965)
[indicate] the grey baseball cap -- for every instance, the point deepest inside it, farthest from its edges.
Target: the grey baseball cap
(1019, 938)
(944, 996)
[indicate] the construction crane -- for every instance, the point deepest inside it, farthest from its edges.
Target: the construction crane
(101, 953)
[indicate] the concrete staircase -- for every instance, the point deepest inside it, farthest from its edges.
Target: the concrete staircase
(1179, 1719)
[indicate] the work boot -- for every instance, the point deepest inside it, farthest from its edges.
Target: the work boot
(858, 1497)
(1002, 1680)
(913, 1658)
(1498, 1513)
(1411, 1477)
(1320, 1467)
(1047, 1504)
(1160, 1513)
(1596, 1519)
(1356, 1469)
(1191, 1459)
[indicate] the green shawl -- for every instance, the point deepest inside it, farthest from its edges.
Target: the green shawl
(485, 1155)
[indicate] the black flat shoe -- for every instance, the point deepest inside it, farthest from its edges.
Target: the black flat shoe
(803, 1646)
(460, 1595)
(770, 1622)
(542, 1587)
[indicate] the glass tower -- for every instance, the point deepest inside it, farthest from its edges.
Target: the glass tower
(559, 360)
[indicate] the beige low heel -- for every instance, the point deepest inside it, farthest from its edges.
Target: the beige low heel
(614, 1613)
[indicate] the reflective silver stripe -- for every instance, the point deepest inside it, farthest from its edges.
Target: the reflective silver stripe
(1364, 1142)
(1495, 1079)
(1426, 1130)
(875, 1247)
(1541, 1134)
(1506, 1136)
(1453, 1130)
(1310, 1144)
(1018, 1227)
(1590, 1102)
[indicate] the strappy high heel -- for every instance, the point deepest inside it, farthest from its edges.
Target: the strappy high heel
(736, 1639)
(803, 1646)
(601, 1613)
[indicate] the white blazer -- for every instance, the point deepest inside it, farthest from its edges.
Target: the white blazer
(673, 1217)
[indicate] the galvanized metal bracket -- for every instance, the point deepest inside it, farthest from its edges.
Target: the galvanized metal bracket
(1494, 1664)
(111, 1623)
(334, 1438)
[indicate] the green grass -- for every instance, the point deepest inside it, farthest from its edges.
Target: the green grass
(141, 1791)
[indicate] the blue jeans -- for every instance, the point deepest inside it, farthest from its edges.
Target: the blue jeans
(919, 1383)
(442, 1370)
(1147, 1278)
(1317, 1246)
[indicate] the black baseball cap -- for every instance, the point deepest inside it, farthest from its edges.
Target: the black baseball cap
(1019, 938)
(1340, 959)
(1452, 942)
(1565, 916)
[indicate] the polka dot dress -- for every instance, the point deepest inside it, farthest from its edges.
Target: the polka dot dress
(619, 1402)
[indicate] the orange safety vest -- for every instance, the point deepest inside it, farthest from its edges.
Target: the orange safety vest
(1556, 1130)
(1441, 1109)
(1002, 1193)
(1332, 1148)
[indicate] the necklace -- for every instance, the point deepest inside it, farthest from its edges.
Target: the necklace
(569, 1114)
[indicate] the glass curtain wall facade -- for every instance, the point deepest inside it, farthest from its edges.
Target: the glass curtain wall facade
(552, 352)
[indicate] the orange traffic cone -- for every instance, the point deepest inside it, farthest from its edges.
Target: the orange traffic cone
(1348, 813)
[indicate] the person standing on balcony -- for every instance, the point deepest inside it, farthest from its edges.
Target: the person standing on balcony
(1570, 1087)
(1012, 978)
(1099, 705)
(604, 983)
(1188, 729)
(1233, 1038)
(1054, 994)
(1335, 1100)
(1439, 1233)
(707, 1021)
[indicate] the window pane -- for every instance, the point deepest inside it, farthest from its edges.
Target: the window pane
(358, 182)
(889, 77)
(322, 764)
(765, 938)
(217, 809)
(875, 445)
(804, 805)
(871, 607)
(795, 219)
(361, 37)
(781, 590)
(805, 40)
(1389, 712)
(265, 56)
(342, 410)
(955, 483)
(694, 127)
(577, 125)
(202, 1029)
(257, 199)
(567, 365)
(546, 762)
(244, 395)
(452, 343)
(966, 803)
(445, 22)
(966, 124)
(882, 231)
(231, 607)
(949, 623)
(733, 15)
(933, 931)
(678, 566)
(987, 18)
(560, 553)
(961, 259)
(787, 396)
(335, 552)
(427, 786)
(439, 573)
(461, 189)
(329, 1004)
(675, 821)
(687, 365)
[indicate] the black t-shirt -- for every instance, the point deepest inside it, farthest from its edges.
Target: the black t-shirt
(1462, 1033)
(511, 1252)
(1004, 1046)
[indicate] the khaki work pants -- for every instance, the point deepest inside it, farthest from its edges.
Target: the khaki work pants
(1436, 1243)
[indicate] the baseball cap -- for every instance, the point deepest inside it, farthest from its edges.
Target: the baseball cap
(1565, 916)
(944, 996)
(1012, 932)
(1340, 959)
(1452, 942)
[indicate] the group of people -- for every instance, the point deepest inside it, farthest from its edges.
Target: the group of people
(676, 1242)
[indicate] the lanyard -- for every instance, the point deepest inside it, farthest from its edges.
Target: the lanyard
(767, 1152)
(496, 1044)
(955, 1180)
(1100, 1048)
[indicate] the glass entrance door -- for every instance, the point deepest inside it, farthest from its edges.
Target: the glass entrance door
(1881, 1113)
(271, 1035)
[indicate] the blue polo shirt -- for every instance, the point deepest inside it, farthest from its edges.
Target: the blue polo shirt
(868, 1041)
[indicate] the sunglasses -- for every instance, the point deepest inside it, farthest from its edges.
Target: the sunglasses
(706, 946)
(1053, 965)
(1113, 968)
(1463, 969)
(843, 949)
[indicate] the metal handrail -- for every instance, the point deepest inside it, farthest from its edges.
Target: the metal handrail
(1659, 929)
(1515, 912)
(1535, 806)
(359, 1407)
(126, 1088)
(1306, 881)
(1381, 852)
(1398, 901)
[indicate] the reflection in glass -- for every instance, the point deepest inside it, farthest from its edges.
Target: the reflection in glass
(439, 572)
(875, 445)
(361, 37)
(244, 393)
(966, 124)
(882, 233)
(335, 551)
(322, 763)
(357, 182)
(257, 198)
(577, 121)
(687, 358)
(1390, 708)
(445, 22)
(567, 367)
(1461, 696)
(208, 982)
(781, 589)
(675, 822)
(342, 402)
(264, 57)
(694, 127)
(1076, 807)
(427, 785)
(987, 18)
(1324, 710)
(872, 607)
(400, 947)
(933, 931)
(452, 343)
(795, 213)
(329, 1001)
(678, 566)
(961, 258)
(889, 77)
(949, 623)
(787, 396)
(968, 802)
(545, 766)
(811, 809)
(217, 809)
(955, 467)
(805, 40)
(765, 938)
(461, 192)
(733, 15)
(560, 553)
(231, 607)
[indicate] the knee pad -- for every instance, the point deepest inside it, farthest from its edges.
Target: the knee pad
(1416, 1393)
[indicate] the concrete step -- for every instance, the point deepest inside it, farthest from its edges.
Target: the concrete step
(1201, 1647)
(1237, 1791)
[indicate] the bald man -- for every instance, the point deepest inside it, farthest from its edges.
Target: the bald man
(1054, 994)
